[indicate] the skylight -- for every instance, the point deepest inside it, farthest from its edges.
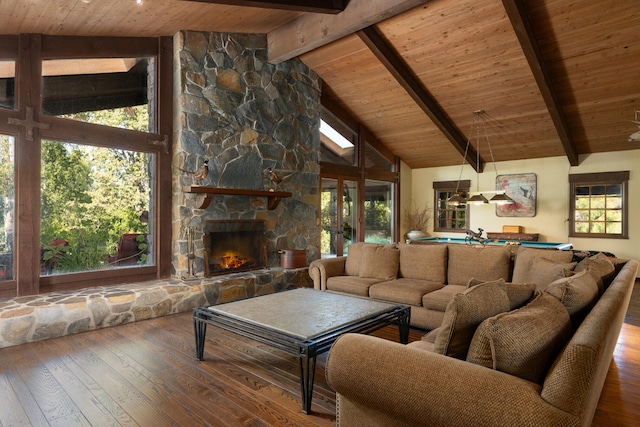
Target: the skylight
(334, 135)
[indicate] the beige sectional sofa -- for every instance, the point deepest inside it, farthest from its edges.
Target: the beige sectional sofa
(425, 277)
(532, 353)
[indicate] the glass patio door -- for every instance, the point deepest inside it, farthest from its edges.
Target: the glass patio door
(339, 206)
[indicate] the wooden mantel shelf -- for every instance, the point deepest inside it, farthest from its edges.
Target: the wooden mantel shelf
(206, 193)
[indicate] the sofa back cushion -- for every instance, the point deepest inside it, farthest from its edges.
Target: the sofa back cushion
(523, 342)
(518, 293)
(476, 261)
(578, 293)
(524, 262)
(354, 258)
(463, 315)
(379, 262)
(427, 262)
(600, 266)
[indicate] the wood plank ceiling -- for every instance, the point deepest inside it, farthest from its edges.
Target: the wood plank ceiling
(555, 77)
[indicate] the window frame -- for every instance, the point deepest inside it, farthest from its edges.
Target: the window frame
(461, 187)
(29, 50)
(593, 179)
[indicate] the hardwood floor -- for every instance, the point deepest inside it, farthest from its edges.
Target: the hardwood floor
(145, 374)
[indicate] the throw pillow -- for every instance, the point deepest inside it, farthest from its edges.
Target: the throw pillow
(523, 342)
(518, 293)
(544, 271)
(379, 262)
(525, 256)
(577, 293)
(463, 315)
(600, 266)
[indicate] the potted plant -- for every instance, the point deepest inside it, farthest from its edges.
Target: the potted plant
(417, 218)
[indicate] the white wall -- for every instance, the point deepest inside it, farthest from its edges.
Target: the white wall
(552, 212)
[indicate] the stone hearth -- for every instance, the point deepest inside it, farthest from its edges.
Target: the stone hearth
(38, 317)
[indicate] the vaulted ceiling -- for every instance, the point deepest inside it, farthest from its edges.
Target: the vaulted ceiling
(555, 77)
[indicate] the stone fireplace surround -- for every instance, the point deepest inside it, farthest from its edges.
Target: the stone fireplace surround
(244, 115)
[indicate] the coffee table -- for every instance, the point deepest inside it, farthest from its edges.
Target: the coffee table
(302, 322)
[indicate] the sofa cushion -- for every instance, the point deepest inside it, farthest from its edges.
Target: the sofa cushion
(577, 293)
(518, 293)
(544, 271)
(600, 266)
(403, 291)
(523, 342)
(427, 262)
(482, 262)
(525, 257)
(427, 341)
(379, 262)
(354, 258)
(463, 315)
(350, 285)
(438, 300)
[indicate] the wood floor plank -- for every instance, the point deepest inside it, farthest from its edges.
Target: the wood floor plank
(11, 411)
(170, 375)
(145, 382)
(139, 407)
(50, 396)
(27, 401)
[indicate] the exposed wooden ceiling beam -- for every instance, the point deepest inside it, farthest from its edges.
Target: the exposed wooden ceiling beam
(398, 68)
(309, 32)
(316, 6)
(522, 27)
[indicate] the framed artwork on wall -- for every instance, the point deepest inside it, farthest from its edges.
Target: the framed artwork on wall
(522, 189)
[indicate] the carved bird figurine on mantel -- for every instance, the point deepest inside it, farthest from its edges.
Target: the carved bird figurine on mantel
(201, 173)
(275, 179)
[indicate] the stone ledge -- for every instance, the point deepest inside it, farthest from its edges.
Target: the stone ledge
(38, 317)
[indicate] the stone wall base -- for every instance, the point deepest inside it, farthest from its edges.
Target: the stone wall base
(38, 317)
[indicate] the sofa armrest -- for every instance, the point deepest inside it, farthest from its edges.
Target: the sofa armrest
(380, 382)
(321, 269)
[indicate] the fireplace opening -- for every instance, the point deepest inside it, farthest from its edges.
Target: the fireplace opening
(234, 246)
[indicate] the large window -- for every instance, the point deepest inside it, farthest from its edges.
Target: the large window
(448, 217)
(358, 186)
(88, 123)
(599, 205)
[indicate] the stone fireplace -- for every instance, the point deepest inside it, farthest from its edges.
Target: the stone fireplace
(244, 115)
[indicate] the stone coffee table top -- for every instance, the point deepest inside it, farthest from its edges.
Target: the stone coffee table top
(303, 312)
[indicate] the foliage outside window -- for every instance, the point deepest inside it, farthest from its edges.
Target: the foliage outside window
(447, 217)
(7, 201)
(599, 205)
(378, 212)
(90, 198)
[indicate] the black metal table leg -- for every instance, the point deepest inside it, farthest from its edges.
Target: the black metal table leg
(200, 331)
(307, 358)
(403, 326)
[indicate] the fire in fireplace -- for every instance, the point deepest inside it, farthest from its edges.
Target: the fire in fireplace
(234, 246)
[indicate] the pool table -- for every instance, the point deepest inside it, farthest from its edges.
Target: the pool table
(541, 245)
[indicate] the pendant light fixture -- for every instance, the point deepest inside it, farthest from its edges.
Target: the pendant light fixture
(478, 198)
